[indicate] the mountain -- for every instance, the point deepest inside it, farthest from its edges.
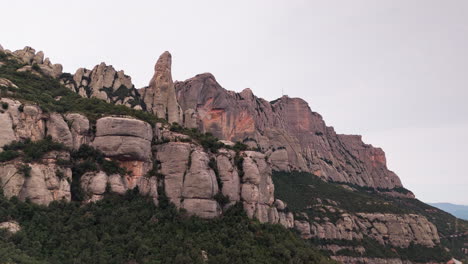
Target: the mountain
(74, 146)
(460, 211)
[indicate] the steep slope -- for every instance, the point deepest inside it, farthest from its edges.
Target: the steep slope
(354, 222)
(293, 137)
(58, 143)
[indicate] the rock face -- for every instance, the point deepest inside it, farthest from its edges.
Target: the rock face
(29, 56)
(47, 181)
(193, 178)
(96, 184)
(105, 83)
(79, 129)
(292, 136)
(127, 141)
(19, 122)
(159, 96)
(387, 229)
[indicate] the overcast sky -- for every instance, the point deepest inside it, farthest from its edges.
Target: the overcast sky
(394, 71)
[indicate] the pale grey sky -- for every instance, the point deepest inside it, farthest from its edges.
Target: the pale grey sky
(394, 71)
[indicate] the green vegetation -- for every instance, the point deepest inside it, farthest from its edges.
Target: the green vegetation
(5, 105)
(30, 151)
(131, 229)
(207, 140)
(51, 96)
(88, 159)
(24, 169)
(221, 199)
(8, 155)
(302, 190)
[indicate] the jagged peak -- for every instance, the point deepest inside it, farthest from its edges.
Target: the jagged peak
(164, 62)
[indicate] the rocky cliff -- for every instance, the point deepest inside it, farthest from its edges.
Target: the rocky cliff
(159, 96)
(292, 136)
(84, 156)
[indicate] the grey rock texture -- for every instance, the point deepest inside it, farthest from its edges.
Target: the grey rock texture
(159, 96)
(79, 129)
(95, 184)
(11, 226)
(293, 137)
(29, 56)
(58, 129)
(104, 82)
(127, 141)
(387, 229)
(17, 125)
(124, 138)
(7, 83)
(42, 186)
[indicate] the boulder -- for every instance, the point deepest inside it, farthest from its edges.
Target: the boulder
(124, 139)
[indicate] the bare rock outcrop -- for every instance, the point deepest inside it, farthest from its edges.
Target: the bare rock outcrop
(228, 175)
(7, 83)
(44, 183)
(103, 82)
(29, 56)
(11, 226)
(96, 184)
(292, 136)
(399, 230)
(19, 122)
(388, 229)
(160, 97)
(127, 141)
(58, 129)
(79, 129)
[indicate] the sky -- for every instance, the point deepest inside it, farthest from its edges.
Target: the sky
(394, 71)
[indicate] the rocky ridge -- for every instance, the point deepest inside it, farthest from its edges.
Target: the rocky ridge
(35, 62)
(283, 135)
(105, 83)
(292, 136)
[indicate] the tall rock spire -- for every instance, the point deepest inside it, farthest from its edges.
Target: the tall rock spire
(160, 96)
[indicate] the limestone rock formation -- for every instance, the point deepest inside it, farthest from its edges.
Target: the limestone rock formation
(42, 186)
(293, 137)
(95, 185)
(20, 121)
(29, 56)
(79, 129)
(191, 182)
(11, 226)
(7, 83)
(159, 96)
(105, 83)
(127, 141)
(58, 129)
